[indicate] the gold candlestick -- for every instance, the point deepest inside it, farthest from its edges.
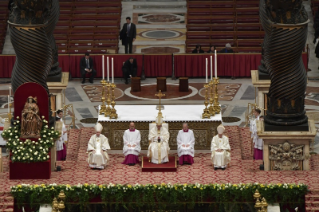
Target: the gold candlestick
(211, 99)
(216, 103)
(103, 107)
(113, 114)
(108, 99)
(206, 113)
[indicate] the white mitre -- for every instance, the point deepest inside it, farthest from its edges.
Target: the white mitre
(159, 120)
(220, 129)
(98, 127)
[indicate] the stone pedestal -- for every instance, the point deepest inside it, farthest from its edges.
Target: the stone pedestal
(290, 148)
(262, 89)
(57, 89)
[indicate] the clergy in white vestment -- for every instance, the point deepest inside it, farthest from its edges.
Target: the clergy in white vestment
(220, 149)
(60, 143)
(185, 145)
(158, 148)
(132, 147)
(97, 147)
(258, 142)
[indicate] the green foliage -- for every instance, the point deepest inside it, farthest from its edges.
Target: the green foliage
(159, 195)
(30, 151)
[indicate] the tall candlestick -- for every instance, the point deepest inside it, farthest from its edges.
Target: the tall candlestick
(9, 94)
(8, 104)
(103, 67)
(215, 64)
(112, 70)
(211, 67)
(107, 68)
(206, 70)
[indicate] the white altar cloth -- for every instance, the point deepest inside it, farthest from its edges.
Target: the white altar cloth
(148, 113)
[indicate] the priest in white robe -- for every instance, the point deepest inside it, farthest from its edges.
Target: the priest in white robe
(220, 149)
(97, 147)
(257, 142)
(185, 145)
(60, 143)
(132, 147)
(158, 149)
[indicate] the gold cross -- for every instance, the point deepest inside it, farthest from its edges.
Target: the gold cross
(160, 95)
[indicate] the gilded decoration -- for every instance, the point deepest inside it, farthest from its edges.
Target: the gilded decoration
(203, 132)
(286, 156)
(31, 122)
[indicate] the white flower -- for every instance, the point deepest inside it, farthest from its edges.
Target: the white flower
(18, 117)
(9, 139)
(10, 133)
(23, 158)
(43, 117)
(39, 139)
(40, 147)
(18, 150)
(48, 156)
(46, 126)
(18, 122)
(52, 128)
(49, 133)
(18, 158)
(296, 209)
(35, 153)
(44, 158)
(16, 131)
(31, 158)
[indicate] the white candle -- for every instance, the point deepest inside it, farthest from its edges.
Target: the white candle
(107, 68)
(215, 64)
(206, 70)
(112, 70)
(211, 67)
(8, 104)
(103, 67)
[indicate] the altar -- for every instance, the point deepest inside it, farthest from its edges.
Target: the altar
(174, 115)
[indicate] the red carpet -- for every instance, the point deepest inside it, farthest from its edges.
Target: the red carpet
(171, 166)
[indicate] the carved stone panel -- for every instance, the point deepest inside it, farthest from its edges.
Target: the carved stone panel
(286, 156)
(203, 132)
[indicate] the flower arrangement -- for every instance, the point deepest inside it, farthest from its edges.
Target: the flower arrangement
(30, 151)
(155, 194)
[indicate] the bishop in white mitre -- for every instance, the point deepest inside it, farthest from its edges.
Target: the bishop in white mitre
(132, 147)
(185, 145)
(220, 149)
(97, 147)
(158, 148)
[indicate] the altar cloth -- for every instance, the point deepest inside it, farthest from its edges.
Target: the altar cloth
(171, 113)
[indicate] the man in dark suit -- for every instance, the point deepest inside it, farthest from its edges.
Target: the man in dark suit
(86, 66)
(227, 49)
(128, 35)
(129, 69)
(198, 49)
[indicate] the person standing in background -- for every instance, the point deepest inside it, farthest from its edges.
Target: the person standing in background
(128, 35)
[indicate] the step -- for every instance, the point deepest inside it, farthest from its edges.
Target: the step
(312, 203)
(312, 197)
(312, 209)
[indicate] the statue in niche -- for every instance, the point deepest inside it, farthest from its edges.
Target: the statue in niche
(31, 122)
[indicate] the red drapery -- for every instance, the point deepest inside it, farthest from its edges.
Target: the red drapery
(190, 65)
(159, 65)
(229, 65)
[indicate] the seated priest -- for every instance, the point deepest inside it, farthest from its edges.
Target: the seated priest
(158, 148)
(185, 145)
(132, 147)
(129, 69)
(220, 149)
(97, 147)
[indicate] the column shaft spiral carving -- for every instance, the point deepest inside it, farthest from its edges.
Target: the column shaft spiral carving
(28, 21)
(53, 20)
(285, 24)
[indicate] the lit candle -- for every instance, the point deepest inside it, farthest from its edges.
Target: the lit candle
(103, 67)
(211, 67)
(215, 64)
(112, 70)
(206, 70)
(8, 104)
(107, 67)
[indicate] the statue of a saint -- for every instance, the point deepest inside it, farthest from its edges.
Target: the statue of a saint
(31, 123)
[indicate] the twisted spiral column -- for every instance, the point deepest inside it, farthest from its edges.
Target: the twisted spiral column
(52, 21)
(33, 55)
(287, 72)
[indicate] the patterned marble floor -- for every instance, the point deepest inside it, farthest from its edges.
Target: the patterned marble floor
(161, 25)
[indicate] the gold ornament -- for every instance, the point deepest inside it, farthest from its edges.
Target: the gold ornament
(103, 107)
(113, 114)
(216, 103)
(206, 114)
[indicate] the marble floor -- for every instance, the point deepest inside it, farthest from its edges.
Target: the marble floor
(161, 25)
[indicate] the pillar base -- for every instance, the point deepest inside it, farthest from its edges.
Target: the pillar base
(286, 150)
